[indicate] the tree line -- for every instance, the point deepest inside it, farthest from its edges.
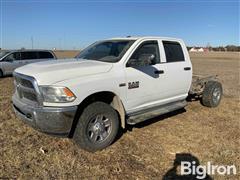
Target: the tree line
(220, 48)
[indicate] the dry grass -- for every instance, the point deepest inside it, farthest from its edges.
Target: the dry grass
(145, 151)
(66, 54)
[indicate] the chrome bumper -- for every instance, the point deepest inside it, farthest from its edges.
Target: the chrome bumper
(51, 120)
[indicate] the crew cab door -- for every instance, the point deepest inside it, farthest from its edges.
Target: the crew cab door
(35, 56)
(45, 56)
(166, 79)
(142, 77)
(11, 62)
(177, 67)
(28, 57)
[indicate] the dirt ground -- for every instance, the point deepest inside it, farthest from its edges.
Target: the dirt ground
(150, 150)
(62, 54)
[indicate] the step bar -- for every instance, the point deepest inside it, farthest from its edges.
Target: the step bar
(139, 116)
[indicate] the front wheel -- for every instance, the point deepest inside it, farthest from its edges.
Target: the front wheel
(212, 94)
(97, 127)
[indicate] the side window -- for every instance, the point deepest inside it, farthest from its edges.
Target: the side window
(45, 55)
(173, 51)
(13, 56)
(29, 55)
(147, 49)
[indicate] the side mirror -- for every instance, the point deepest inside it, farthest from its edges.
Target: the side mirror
(147, 59)
(143, 60)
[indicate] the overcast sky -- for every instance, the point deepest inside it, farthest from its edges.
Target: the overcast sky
(73, 25)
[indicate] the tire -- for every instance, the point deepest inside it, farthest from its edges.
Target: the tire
(97, 127)
(212, 94)
(1, 73)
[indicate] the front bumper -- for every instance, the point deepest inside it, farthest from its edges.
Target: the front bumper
(51, 120)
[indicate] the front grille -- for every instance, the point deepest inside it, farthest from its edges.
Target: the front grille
(24, 86)
(30, 96)
(24, 82)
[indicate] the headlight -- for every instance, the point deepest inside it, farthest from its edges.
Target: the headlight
(55, 94)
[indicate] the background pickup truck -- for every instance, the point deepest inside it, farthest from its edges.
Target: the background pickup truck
(110, 84)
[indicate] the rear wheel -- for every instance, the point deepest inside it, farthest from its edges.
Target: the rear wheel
(212, 94)
(97, 127)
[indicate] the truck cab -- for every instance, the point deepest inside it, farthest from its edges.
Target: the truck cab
(110, 84)
(164, 79)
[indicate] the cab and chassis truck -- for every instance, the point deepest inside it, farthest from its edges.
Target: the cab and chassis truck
(110, 84)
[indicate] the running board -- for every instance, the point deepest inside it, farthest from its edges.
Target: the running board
(140, 116)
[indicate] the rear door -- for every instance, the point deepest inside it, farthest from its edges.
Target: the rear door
(45, 55)
(177, 68)
(28, 57)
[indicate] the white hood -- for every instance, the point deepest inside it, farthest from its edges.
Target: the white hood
(50, 72)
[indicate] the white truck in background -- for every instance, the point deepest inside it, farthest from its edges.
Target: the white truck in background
(110, 84)
(10, 60)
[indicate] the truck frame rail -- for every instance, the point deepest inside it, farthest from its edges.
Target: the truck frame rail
(199, 82)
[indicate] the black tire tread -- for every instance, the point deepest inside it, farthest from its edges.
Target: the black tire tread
(79, 135)
(207, 97)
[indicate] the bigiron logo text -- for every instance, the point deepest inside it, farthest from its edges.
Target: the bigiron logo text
(201, 171)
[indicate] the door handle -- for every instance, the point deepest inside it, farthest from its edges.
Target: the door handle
(159, 71)
(187, 68)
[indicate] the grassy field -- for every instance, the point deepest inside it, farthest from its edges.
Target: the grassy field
(150, 150)
(66, 54)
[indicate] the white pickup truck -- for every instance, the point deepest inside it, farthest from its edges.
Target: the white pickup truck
(110, 84)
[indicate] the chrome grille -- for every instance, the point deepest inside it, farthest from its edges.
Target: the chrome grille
(30, 96)
(24, 82)
(25, 88)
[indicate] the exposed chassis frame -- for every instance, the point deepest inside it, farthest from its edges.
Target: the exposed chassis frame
(199, 82)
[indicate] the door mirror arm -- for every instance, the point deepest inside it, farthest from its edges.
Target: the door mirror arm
(132, 63)
(143, 60)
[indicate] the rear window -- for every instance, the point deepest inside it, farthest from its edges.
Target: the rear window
(29, 55)
(173, 51)
(45, 55)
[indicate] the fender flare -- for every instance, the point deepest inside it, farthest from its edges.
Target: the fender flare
(117, 105)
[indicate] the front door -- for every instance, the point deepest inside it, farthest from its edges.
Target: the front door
(11, 62)
(142, 77)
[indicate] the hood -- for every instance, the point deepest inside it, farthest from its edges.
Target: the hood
(50, 72)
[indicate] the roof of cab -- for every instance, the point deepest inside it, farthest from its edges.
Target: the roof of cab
(24, 50)
(145, 37)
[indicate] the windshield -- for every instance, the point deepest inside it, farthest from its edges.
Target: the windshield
(106, 51)
(3, 53)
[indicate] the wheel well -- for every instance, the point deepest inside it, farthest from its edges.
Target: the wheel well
(104, 96)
